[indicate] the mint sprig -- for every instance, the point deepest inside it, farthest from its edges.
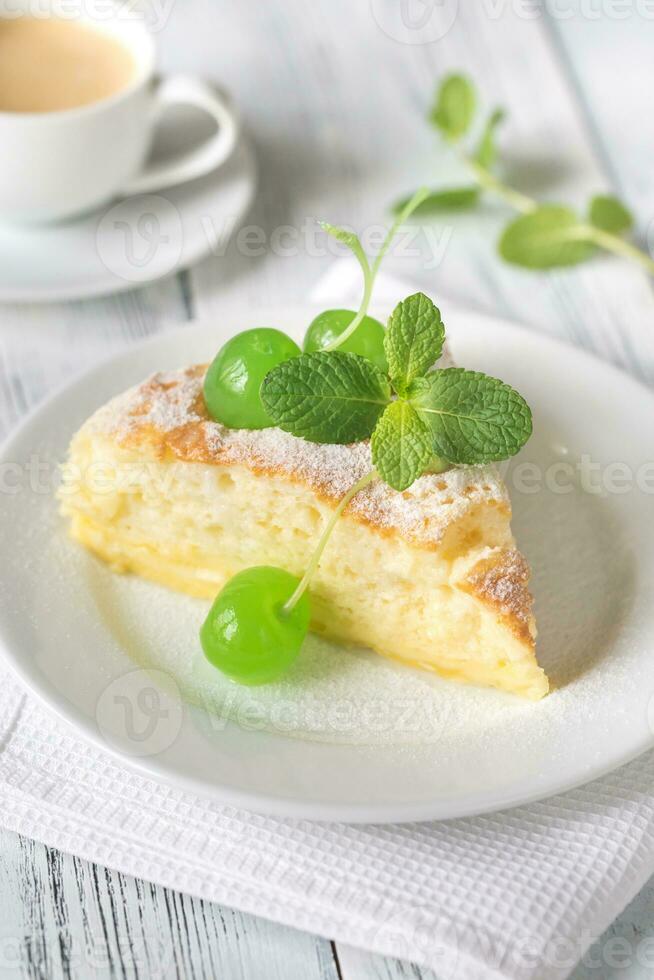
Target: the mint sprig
(454, 107)
(326, 396)
(486, 154)
(545, 236)
(473, 418)
(413, 341)
(610, 214)
(416, 417)
(401, 445)
(447, 199)
(548, 237)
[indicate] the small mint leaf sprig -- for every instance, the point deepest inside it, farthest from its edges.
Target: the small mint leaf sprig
(415, 417)
(544, 236)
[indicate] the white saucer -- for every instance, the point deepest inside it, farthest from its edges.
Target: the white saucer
(130, 242)
(112, 655)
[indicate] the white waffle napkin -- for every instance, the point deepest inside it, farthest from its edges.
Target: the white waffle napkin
(520, 894)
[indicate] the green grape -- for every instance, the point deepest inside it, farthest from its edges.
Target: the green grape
(234, 378)
(247, 635)
(367, 340)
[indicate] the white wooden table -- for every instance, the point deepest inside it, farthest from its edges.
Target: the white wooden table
(336, 102)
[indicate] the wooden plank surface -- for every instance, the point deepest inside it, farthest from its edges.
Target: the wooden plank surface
(61, 917)
(325, 154)
(335, 100)
(41, 346)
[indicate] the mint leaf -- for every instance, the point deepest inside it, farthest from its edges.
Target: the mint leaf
(455, 106)
(401, 445)
(413, 340)
(447, 199)
(473, 418)
(550, 236)
(486, 154)
(609, 214)
(326, 396)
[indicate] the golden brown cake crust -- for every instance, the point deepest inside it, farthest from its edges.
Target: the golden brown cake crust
(165, 416)
(501, 580)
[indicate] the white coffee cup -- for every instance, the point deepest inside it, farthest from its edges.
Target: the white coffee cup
(54, 165)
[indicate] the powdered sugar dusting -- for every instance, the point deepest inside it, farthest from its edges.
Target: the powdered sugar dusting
(167, 412)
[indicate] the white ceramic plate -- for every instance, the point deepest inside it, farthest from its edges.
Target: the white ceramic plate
(134, 241)
(422, 748)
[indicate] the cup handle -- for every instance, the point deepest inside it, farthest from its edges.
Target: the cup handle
(201, 160)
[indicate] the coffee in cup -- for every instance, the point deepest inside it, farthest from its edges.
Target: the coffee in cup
(79, 106)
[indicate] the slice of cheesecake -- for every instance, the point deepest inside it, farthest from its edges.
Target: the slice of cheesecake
(430, 577)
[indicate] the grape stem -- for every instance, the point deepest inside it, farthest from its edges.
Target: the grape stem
(370, 273)
(587, 233)
(314, 561)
